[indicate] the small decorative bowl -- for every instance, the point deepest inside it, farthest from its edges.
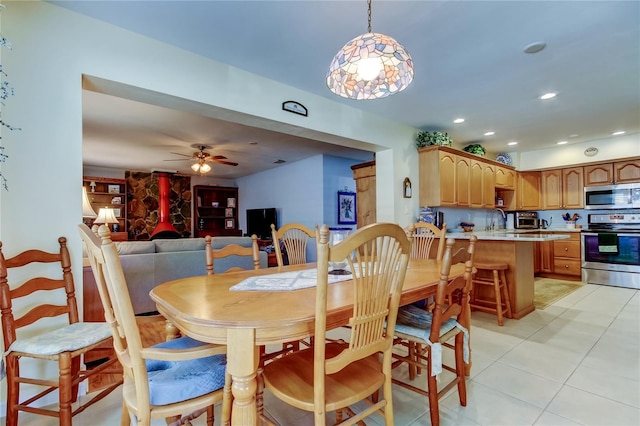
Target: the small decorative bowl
(214, 204)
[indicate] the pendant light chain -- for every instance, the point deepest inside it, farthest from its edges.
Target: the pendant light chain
(369, 4)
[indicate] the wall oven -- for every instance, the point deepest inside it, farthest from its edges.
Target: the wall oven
(622, 196)
(611, 250)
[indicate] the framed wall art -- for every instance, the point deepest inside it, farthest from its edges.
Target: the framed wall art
(346, 208)
(228, 224)
(406, 188)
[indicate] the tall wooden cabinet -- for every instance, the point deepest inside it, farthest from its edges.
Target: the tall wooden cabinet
(215, 211)
(107, 192)
(365, 176)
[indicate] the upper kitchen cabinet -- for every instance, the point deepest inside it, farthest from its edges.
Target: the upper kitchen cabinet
(482, 183)
(528, 191)
(437, 177)
(610, 173)
(505, 178)
(562, 189)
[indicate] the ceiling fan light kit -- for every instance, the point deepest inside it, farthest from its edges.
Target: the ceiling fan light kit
(370, 66)
(202, 158)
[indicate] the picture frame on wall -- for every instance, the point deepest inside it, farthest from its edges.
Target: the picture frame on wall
(231, 202)
(347, 208)
(228, 212)
(113, 189)
(229, 224)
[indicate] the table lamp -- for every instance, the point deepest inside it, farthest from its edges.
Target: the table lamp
(106, 216)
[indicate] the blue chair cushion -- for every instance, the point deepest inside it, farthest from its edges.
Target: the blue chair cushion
(416, 322)
(175, 381)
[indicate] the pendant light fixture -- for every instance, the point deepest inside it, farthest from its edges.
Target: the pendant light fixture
(370, 66)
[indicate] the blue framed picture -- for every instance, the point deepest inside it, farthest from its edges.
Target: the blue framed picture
(347, 208)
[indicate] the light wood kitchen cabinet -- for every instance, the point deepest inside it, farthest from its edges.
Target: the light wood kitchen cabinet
(562, 189)
(546, 256)
(528, 192)
(560, 258)
(437, 178)
(365, 176)
(463, 168)
(482, 185)
(610, 173)
(505, 178)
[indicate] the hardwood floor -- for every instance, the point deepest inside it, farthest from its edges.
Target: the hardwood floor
(152, 332)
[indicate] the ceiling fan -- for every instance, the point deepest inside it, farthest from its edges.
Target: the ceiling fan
(202, 157)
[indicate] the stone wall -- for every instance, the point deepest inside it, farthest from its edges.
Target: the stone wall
(143, 204)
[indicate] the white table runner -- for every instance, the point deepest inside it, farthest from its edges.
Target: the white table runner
(285, 281)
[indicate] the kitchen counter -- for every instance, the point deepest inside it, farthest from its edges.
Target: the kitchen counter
(516, 249)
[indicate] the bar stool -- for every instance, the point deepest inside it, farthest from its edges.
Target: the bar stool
(501, 305)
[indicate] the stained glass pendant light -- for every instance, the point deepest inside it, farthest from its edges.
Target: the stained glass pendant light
(370, 66)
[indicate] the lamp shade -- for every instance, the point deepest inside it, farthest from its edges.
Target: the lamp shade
(87, 210)
(370, 66)
(105, 215)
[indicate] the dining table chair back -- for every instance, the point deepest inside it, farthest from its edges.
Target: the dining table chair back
(294, 237)
(331, 376)
(431, 330)
(175, 380)
(231, 250)
(423, 237)
(45, 295)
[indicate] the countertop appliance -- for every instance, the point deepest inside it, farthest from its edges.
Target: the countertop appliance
(621, 196)
(611, 250)
(525, 220)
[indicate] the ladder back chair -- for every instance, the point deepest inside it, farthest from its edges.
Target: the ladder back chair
(176, 380)
(424, 235)
(333, 376)
(448, 319)
(231, 250)
(294, 237)
(66, 344)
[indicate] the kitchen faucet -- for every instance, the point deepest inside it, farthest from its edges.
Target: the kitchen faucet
(504, 216)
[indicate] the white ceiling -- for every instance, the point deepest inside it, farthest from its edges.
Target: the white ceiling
(468, 57)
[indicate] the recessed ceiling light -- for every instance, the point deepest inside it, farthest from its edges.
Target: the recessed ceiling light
(513, 143)
(575, 135)
(535, 47)
(562, 142)
(549, 95)
(619, 132)
(490, 133)
(458, 120)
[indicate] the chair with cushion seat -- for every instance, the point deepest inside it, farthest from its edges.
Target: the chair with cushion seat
(176, 380)
(500, 303)
(231, 250)
(434, 329)
(333, 376)
(424, 235)
(65, 341)
(294, 237)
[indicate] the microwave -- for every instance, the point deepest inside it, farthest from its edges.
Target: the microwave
(621, 196)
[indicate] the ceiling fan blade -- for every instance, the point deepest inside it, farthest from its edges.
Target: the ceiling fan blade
(179, 159)
(228, 163)
(177, 153)
(219, 157)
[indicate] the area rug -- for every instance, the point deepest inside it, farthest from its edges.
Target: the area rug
(548, 290)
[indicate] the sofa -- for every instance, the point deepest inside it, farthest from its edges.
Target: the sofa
(149, 263)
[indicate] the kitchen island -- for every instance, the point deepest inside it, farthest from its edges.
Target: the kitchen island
(516, 249)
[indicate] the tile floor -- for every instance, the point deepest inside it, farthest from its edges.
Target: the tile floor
(576, 362)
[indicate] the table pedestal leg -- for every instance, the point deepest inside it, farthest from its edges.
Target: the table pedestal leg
(242, 363)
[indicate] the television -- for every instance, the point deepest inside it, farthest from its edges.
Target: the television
(259, 222)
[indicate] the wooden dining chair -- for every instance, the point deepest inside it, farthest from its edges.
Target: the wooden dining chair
(294, 237)
(334, 376)
(231, 250)
(66, 343)
(433, 329)
(424, 235)
(176, 380)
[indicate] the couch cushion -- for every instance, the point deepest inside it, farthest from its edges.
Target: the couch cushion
(180, 244)
(135, 247)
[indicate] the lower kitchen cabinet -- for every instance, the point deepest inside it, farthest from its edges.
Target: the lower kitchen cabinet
(561, 258)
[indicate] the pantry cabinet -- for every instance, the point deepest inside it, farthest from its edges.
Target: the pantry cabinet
(365, 176)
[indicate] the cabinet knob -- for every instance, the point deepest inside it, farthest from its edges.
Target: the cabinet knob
(566, 249)
(566, 266)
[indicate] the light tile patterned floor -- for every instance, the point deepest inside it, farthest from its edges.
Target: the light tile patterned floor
(576, 362)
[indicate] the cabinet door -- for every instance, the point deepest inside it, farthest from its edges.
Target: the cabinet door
(551, 189)
(572, 188)
(546, 256)
(365, 195)
(627, 171)
(463, 167)
(505, 178)
(528, 192)
(476, 187)
(447, 179)
(598, 174)
(488, 186)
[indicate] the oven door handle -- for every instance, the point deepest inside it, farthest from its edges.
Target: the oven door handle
(619, 234)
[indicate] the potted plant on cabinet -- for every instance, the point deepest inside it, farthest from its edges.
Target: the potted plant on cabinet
(426, 138)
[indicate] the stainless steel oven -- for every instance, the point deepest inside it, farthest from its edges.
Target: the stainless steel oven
(611, 250)
(621, 196)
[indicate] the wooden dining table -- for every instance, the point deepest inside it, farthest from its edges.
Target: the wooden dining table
(204, 308)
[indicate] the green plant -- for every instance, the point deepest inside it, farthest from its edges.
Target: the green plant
(426, 138)
(474, 149)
